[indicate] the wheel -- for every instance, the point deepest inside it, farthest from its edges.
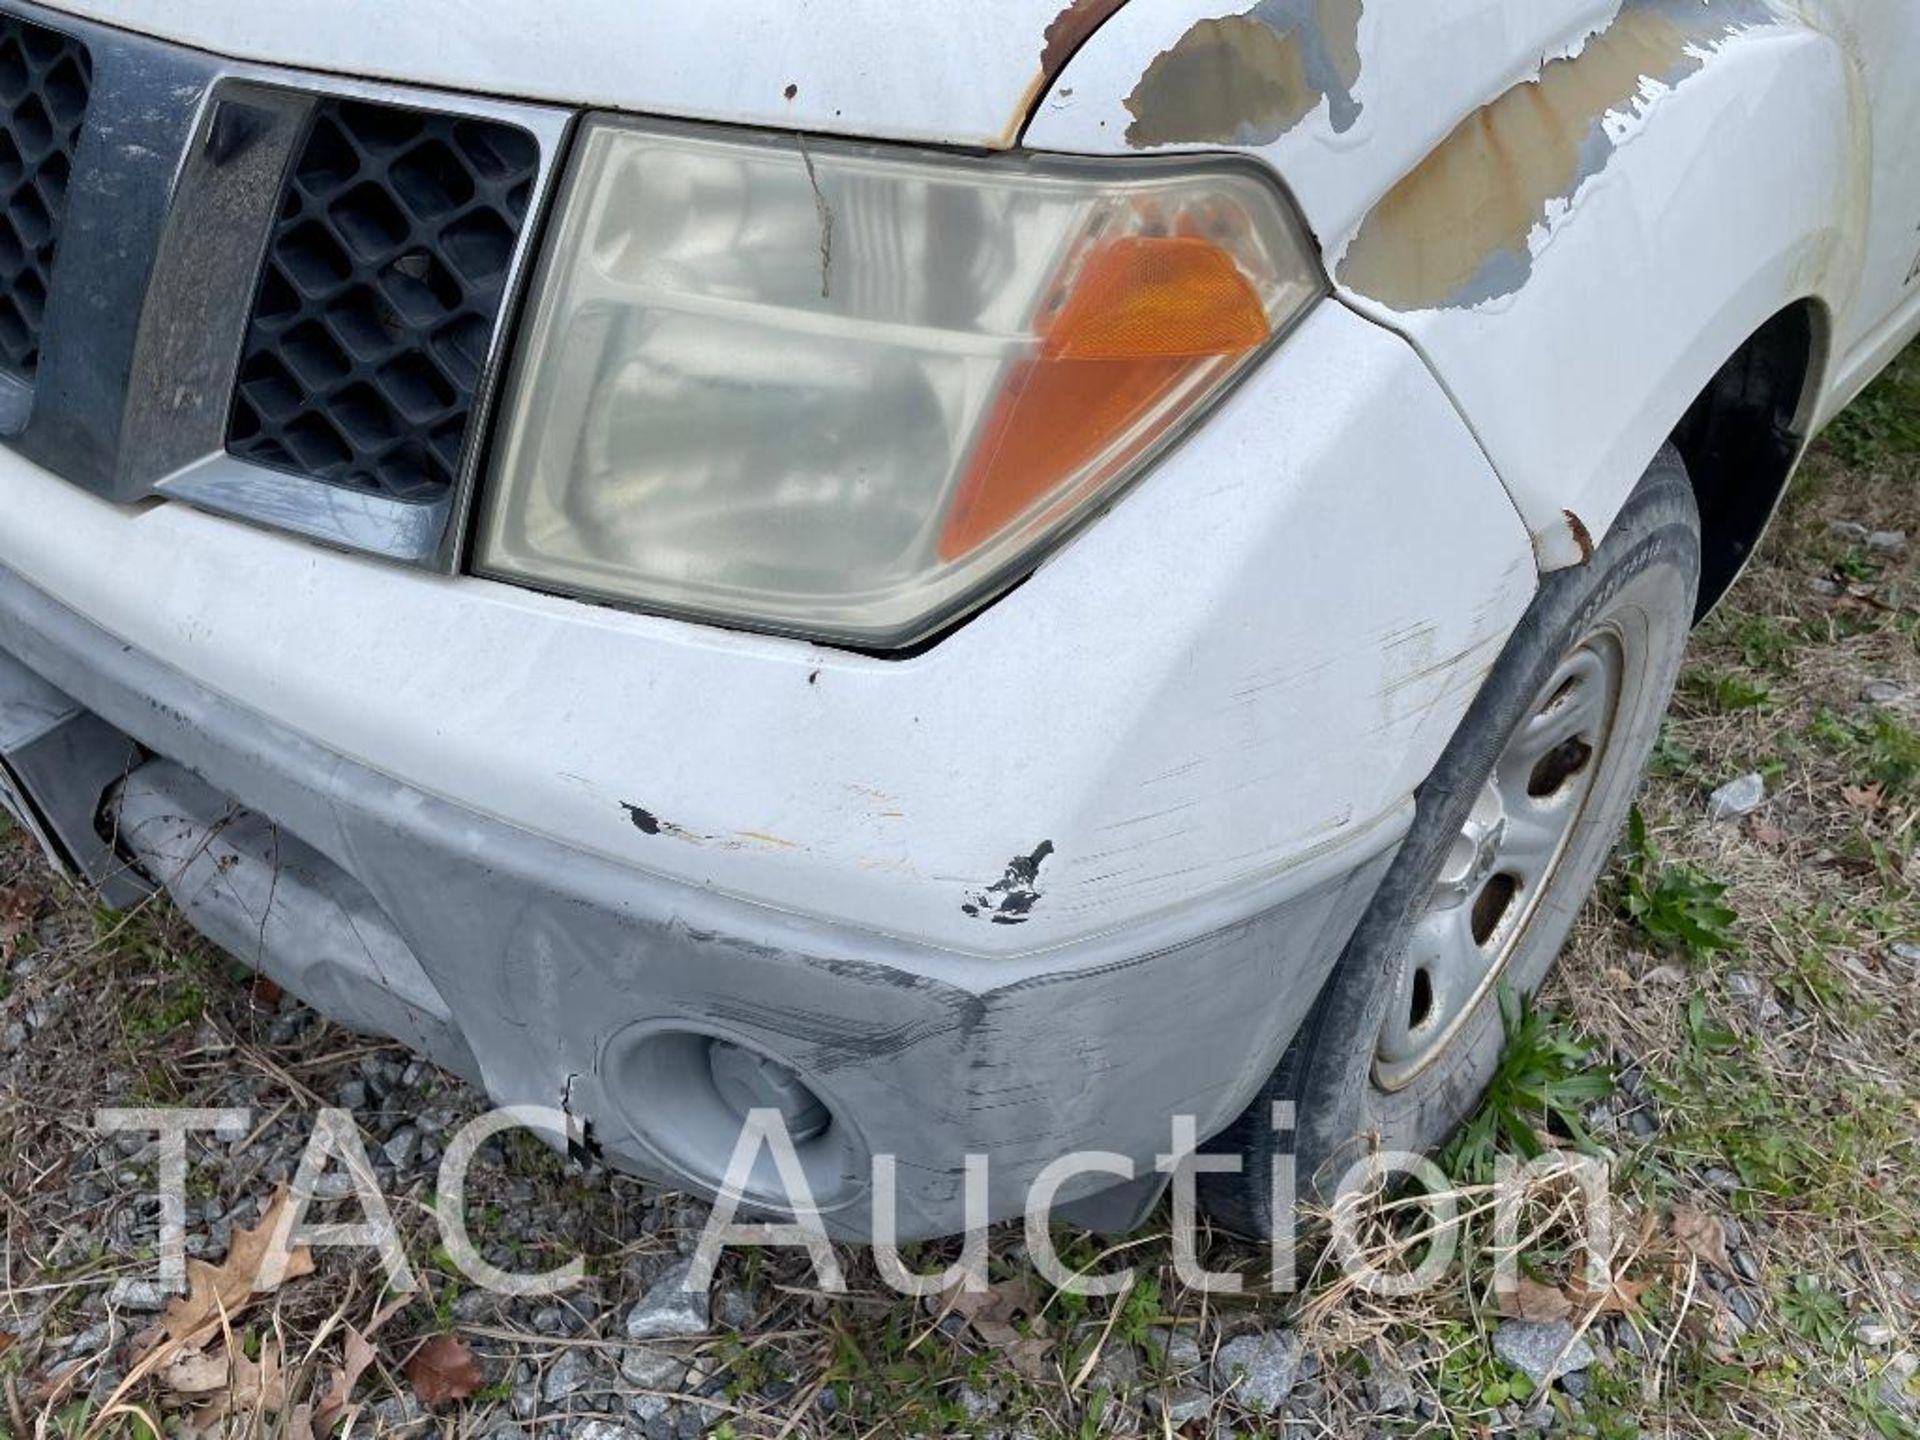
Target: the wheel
(1510, 832)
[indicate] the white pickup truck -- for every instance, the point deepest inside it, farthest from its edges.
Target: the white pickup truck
(976, 576)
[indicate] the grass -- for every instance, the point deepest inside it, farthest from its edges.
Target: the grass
(1732, 1030)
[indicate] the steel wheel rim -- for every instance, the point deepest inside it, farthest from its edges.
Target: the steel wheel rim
(1503, 863)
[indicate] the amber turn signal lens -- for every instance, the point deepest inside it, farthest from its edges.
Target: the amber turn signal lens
(1146, 315)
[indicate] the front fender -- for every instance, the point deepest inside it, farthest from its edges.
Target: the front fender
(1575, 251)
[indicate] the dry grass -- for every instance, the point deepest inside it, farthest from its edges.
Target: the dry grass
(1772, 1086)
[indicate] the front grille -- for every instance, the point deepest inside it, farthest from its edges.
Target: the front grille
(382, 289)
(46, 79)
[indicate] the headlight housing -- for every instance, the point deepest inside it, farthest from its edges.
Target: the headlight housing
(848, 391)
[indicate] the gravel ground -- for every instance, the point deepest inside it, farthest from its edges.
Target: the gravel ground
(1732, 1030)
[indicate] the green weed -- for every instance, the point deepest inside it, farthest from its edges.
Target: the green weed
(1677, 906)
(1544, 1083)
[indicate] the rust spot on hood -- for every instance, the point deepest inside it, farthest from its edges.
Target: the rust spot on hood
(1069, 31)
(1457, 230)
(1249, 79)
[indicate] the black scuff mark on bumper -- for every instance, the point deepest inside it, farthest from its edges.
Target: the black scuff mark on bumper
(1011, 898)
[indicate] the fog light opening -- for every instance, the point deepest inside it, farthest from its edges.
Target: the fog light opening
(683, 1097)
(748, 1082)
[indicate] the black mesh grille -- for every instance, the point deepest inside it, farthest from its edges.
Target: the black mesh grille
(382, 288)
(45, 81)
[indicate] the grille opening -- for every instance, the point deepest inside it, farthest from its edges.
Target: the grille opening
(382, 289)
(46, 82)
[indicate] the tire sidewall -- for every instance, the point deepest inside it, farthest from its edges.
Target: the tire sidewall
(1642, 580)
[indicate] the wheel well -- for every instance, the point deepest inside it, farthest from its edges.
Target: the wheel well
(1743, 434)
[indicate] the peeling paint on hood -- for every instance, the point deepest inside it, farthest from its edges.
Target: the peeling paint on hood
(1463, 227)
(1248, 79)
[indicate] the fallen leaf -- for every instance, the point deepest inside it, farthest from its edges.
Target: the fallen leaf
(1766, 832)
(1619, 1296)
(193, 1372)
(327, 1411)
(256, 1264)
(19, 907)
(444, 1369)
(1702, 1235)
(1029, 1356)
(991, 1311)
(230, 1384)
(1863, 797)
(1531, 1300)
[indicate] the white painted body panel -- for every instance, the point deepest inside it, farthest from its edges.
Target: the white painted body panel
(963, 75)
(1661, 267)
(1237, 675)
(1782, 169)
(1884, 42)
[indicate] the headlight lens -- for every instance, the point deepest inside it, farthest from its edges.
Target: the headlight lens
(844, 392)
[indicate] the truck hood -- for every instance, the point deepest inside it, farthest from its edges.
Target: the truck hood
(957, 72)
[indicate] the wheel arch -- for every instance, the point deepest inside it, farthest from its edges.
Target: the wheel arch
(1744, 433)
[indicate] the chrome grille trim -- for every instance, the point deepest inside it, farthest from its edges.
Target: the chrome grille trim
(177, 183)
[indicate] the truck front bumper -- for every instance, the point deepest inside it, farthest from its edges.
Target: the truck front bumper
(566, 850)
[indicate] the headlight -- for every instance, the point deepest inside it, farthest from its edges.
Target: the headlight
(843, 391)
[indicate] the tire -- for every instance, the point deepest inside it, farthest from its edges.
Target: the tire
(1359, 1078)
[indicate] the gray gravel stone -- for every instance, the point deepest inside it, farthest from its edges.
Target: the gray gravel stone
(1187, 1402)
(649, 1410)
(1873, 1332)
(400, 1412)
(1737, 797)
(143, 1296)
(1178, 1352)
(403, 1149)
(1888, 542)
(735, 1310)
(1725, 1181)
(1260, 1368)
(475, 1306)
(606, 1430)
(573, 1372)
(669, 1309)
(1742, 1304)
(648, 1367)
(1119, 1368)
(554, 1320)
(1895, 1379)
(1758, 995)
(1390, 1385)
(1533, 1348)
(96, 1339)
(979, 1404)
(1882, 692)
